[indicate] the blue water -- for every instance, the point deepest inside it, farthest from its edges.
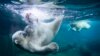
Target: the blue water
(72, 43)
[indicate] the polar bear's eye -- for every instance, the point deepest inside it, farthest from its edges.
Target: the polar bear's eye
(20, 33)
(24, 34)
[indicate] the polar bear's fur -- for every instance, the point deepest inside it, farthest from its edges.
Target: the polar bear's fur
(37, 37)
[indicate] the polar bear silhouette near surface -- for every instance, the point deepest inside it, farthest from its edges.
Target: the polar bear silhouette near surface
(37, 35)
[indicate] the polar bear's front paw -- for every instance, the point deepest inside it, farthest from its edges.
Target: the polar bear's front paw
(53, 46)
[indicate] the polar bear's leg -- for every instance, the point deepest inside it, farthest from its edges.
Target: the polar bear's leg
(47, 48)
(54, 25)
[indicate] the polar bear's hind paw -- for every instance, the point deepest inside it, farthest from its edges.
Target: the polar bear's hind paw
(53, 46)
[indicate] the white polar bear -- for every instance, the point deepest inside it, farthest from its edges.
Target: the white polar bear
(37, 36)
(79, 25)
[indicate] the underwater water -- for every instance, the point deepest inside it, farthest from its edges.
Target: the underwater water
(85, 42)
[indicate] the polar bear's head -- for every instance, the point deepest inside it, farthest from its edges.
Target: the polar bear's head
(18, 37)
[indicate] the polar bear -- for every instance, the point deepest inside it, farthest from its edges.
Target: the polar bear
(37, 36)
(79, 25)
